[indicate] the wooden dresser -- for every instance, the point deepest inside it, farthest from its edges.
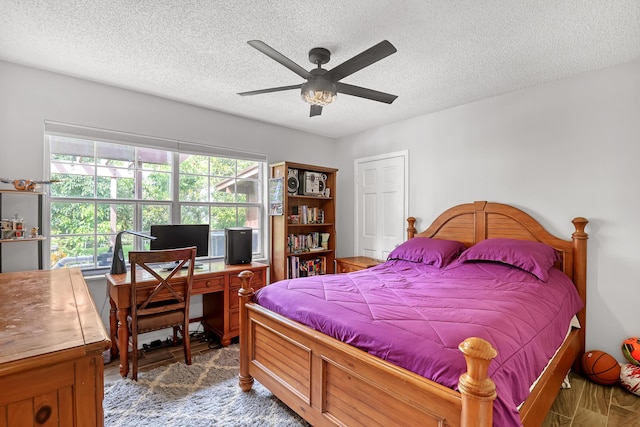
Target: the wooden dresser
(356, 263)
(51, 340)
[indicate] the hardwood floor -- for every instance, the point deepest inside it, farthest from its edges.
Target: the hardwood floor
(585, 404)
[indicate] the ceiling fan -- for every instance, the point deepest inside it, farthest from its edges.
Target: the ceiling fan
(322, 85)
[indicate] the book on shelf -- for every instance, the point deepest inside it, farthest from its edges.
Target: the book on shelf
(307, 215)
(323, 264)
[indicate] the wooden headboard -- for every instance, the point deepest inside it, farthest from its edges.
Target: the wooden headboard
(471, 223)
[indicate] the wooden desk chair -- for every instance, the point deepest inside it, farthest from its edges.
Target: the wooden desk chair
(164, 304)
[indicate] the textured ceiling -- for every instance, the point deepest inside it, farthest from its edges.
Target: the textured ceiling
(449, 52)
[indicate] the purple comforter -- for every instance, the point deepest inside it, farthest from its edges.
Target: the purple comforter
(414, 316)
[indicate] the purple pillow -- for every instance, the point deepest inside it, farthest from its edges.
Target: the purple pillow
(534, 257)
(436, 252)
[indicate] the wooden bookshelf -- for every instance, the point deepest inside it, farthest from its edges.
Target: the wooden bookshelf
(308, 209)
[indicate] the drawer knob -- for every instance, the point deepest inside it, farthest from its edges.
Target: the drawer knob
(43, 414)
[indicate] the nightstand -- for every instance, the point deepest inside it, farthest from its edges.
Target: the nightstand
(356, 263)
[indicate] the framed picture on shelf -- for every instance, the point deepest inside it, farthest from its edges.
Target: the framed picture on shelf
(276, 186)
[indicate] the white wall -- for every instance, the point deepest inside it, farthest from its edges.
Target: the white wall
(569, 148)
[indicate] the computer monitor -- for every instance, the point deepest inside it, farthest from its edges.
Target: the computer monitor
(181, 236)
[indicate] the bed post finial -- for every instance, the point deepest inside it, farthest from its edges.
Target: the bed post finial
(411, 228)
(245, 293)
(580, 223)
(477, 389)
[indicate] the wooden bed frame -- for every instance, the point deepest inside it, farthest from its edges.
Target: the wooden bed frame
(328, 382)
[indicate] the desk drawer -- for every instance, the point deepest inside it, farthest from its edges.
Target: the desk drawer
(257, 282)
(211, 284)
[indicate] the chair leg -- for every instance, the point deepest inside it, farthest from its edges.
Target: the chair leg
(175, 335)
(186, 343)
(134, 355)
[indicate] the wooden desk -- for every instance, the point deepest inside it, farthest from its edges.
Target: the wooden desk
(218, 284)
(52, 341)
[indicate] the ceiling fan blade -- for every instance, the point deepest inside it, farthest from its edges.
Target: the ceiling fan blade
(364, 59)
(277, 56)
(362, 92)
(316, 110)
(273, 89)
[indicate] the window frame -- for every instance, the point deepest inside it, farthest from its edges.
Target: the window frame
(175, 147)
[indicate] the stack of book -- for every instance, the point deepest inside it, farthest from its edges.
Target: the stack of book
(308, 215)
(306, 267)
(309, 242)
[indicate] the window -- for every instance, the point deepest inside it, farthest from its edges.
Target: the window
(105, 187)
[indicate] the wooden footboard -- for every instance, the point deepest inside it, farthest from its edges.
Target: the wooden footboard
(331, 383)
(535, 408)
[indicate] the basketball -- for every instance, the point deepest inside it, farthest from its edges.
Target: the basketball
(600, 367)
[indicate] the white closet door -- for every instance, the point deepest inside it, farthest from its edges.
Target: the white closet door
(381, 204)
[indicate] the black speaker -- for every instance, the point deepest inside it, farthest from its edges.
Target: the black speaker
(238, 244)
(293, 182)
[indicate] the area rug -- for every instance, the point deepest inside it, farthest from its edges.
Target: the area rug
(201, 395)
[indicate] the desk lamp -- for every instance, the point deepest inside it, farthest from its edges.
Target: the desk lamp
(117, 262)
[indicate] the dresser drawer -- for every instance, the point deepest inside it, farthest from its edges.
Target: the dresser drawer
(348, 265)
(347, 268)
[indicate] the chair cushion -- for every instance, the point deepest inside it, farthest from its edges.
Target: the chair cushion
(153, 322)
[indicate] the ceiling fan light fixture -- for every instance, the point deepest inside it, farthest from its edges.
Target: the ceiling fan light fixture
(318, 92)
(321, 86)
